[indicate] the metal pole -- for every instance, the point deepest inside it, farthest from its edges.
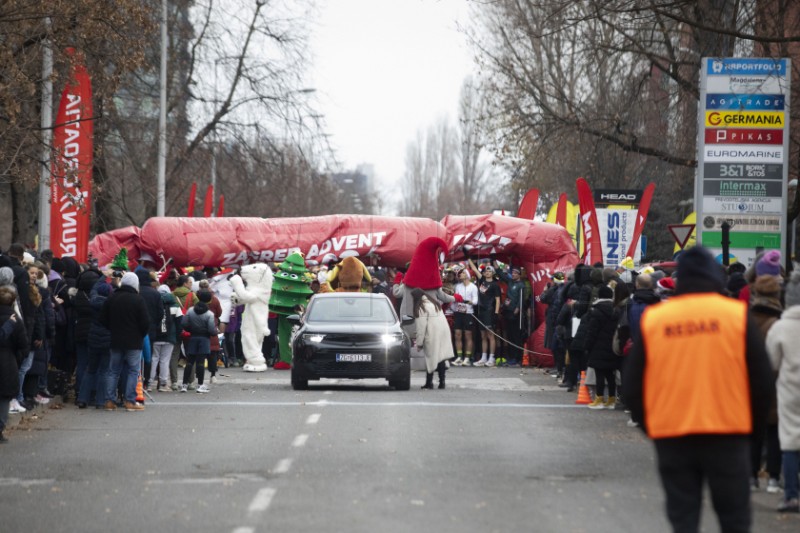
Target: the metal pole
(213, 178)
(47, 140)
(162, 117)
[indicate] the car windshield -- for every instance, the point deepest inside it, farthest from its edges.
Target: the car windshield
(344, 309)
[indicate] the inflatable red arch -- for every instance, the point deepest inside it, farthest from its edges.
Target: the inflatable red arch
(387, 241)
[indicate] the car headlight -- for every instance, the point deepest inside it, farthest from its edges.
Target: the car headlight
(313, 337)
(391, 338)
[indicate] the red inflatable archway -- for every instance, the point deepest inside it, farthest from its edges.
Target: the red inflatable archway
(389, 241)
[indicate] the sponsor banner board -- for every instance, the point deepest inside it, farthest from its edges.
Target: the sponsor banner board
(743, 136)
(747, 66)
(617, 196)
(746, 102)
(743, 153)
(742, 222)
(743, 170)
(738, 188)
(616, 233)
(745, 119)
(744, 239)
(746, 84)
(723, 205)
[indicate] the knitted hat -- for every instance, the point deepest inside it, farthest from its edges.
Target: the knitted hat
(605, 292)
(666, 284)
(164, 289)
(697, 265)
(129, 279)
(103, 289)
(792, 296)
(769, 264)
(423, 273)
(558, 277)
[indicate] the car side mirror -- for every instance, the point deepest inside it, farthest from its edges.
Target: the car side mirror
(407, 320)
(293, 319)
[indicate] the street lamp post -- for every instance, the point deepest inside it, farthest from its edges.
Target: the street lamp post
(162, 118)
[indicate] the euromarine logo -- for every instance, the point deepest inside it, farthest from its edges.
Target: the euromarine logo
(742, 188)
(745, 119)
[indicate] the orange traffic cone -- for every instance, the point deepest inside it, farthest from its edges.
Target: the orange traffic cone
(526, 359)
(139, 390)
(584, 398)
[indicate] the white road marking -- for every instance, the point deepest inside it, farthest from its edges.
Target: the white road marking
(300, 440)
(14, 481)
(313, 419)
(282, 467)
(324, 403)
(484, 383)
(243, 530)
(262, 500)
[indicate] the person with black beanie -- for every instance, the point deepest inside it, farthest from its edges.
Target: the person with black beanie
(199, 322)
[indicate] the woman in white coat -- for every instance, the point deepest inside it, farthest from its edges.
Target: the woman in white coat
(433, 336)
(784, 353)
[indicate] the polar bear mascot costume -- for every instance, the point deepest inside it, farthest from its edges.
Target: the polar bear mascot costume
(254, 320)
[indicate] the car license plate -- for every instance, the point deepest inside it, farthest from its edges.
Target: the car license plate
(353, 357)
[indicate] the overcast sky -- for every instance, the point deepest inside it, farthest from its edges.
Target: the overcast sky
(384, 69)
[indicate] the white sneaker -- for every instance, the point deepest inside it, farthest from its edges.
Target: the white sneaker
(184, 387)
(15, 407)
(213, 379)
(632, 424)
(467, 362)
(41, 399)
(458, 362)
(202, 389)
(490, 362)
(773, 486)
(483, 361)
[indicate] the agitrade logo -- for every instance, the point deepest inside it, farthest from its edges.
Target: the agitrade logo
(745, 119)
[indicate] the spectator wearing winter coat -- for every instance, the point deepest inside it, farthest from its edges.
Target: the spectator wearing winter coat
(233, 337)
(766, 309)
(82, 313)
(215, 306)
(13, 349)
(601, 324)
(155, 310)
(99, 346)
(42, 356)
(124, 313)
(784, 353)
(36, 339)
(555, 296)
(199, 322)
(22, 282)
(182, 292)
(643, 296)
(165, 339)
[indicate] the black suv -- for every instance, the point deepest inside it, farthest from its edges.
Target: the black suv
(350, 335)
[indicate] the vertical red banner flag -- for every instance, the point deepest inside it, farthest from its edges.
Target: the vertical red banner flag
(641, 217)
(528, 205)
(221, 206)
(71, 182)
(561, 210)
(593, 247)
(192, 197)
(208, 205)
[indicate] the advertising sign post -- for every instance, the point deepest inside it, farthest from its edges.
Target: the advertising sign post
(743, 151)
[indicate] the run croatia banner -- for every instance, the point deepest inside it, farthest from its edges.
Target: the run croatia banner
(71, 182)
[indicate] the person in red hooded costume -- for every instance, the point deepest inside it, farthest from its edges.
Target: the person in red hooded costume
(422, 273)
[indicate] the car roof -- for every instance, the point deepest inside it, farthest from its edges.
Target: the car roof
(371, 295)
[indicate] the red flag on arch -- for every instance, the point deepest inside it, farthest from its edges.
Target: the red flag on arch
(71, 183)
(593, 246)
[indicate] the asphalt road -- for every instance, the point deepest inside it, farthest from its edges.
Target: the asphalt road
(499, 450)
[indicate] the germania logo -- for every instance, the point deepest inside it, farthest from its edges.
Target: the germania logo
(723, 119)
